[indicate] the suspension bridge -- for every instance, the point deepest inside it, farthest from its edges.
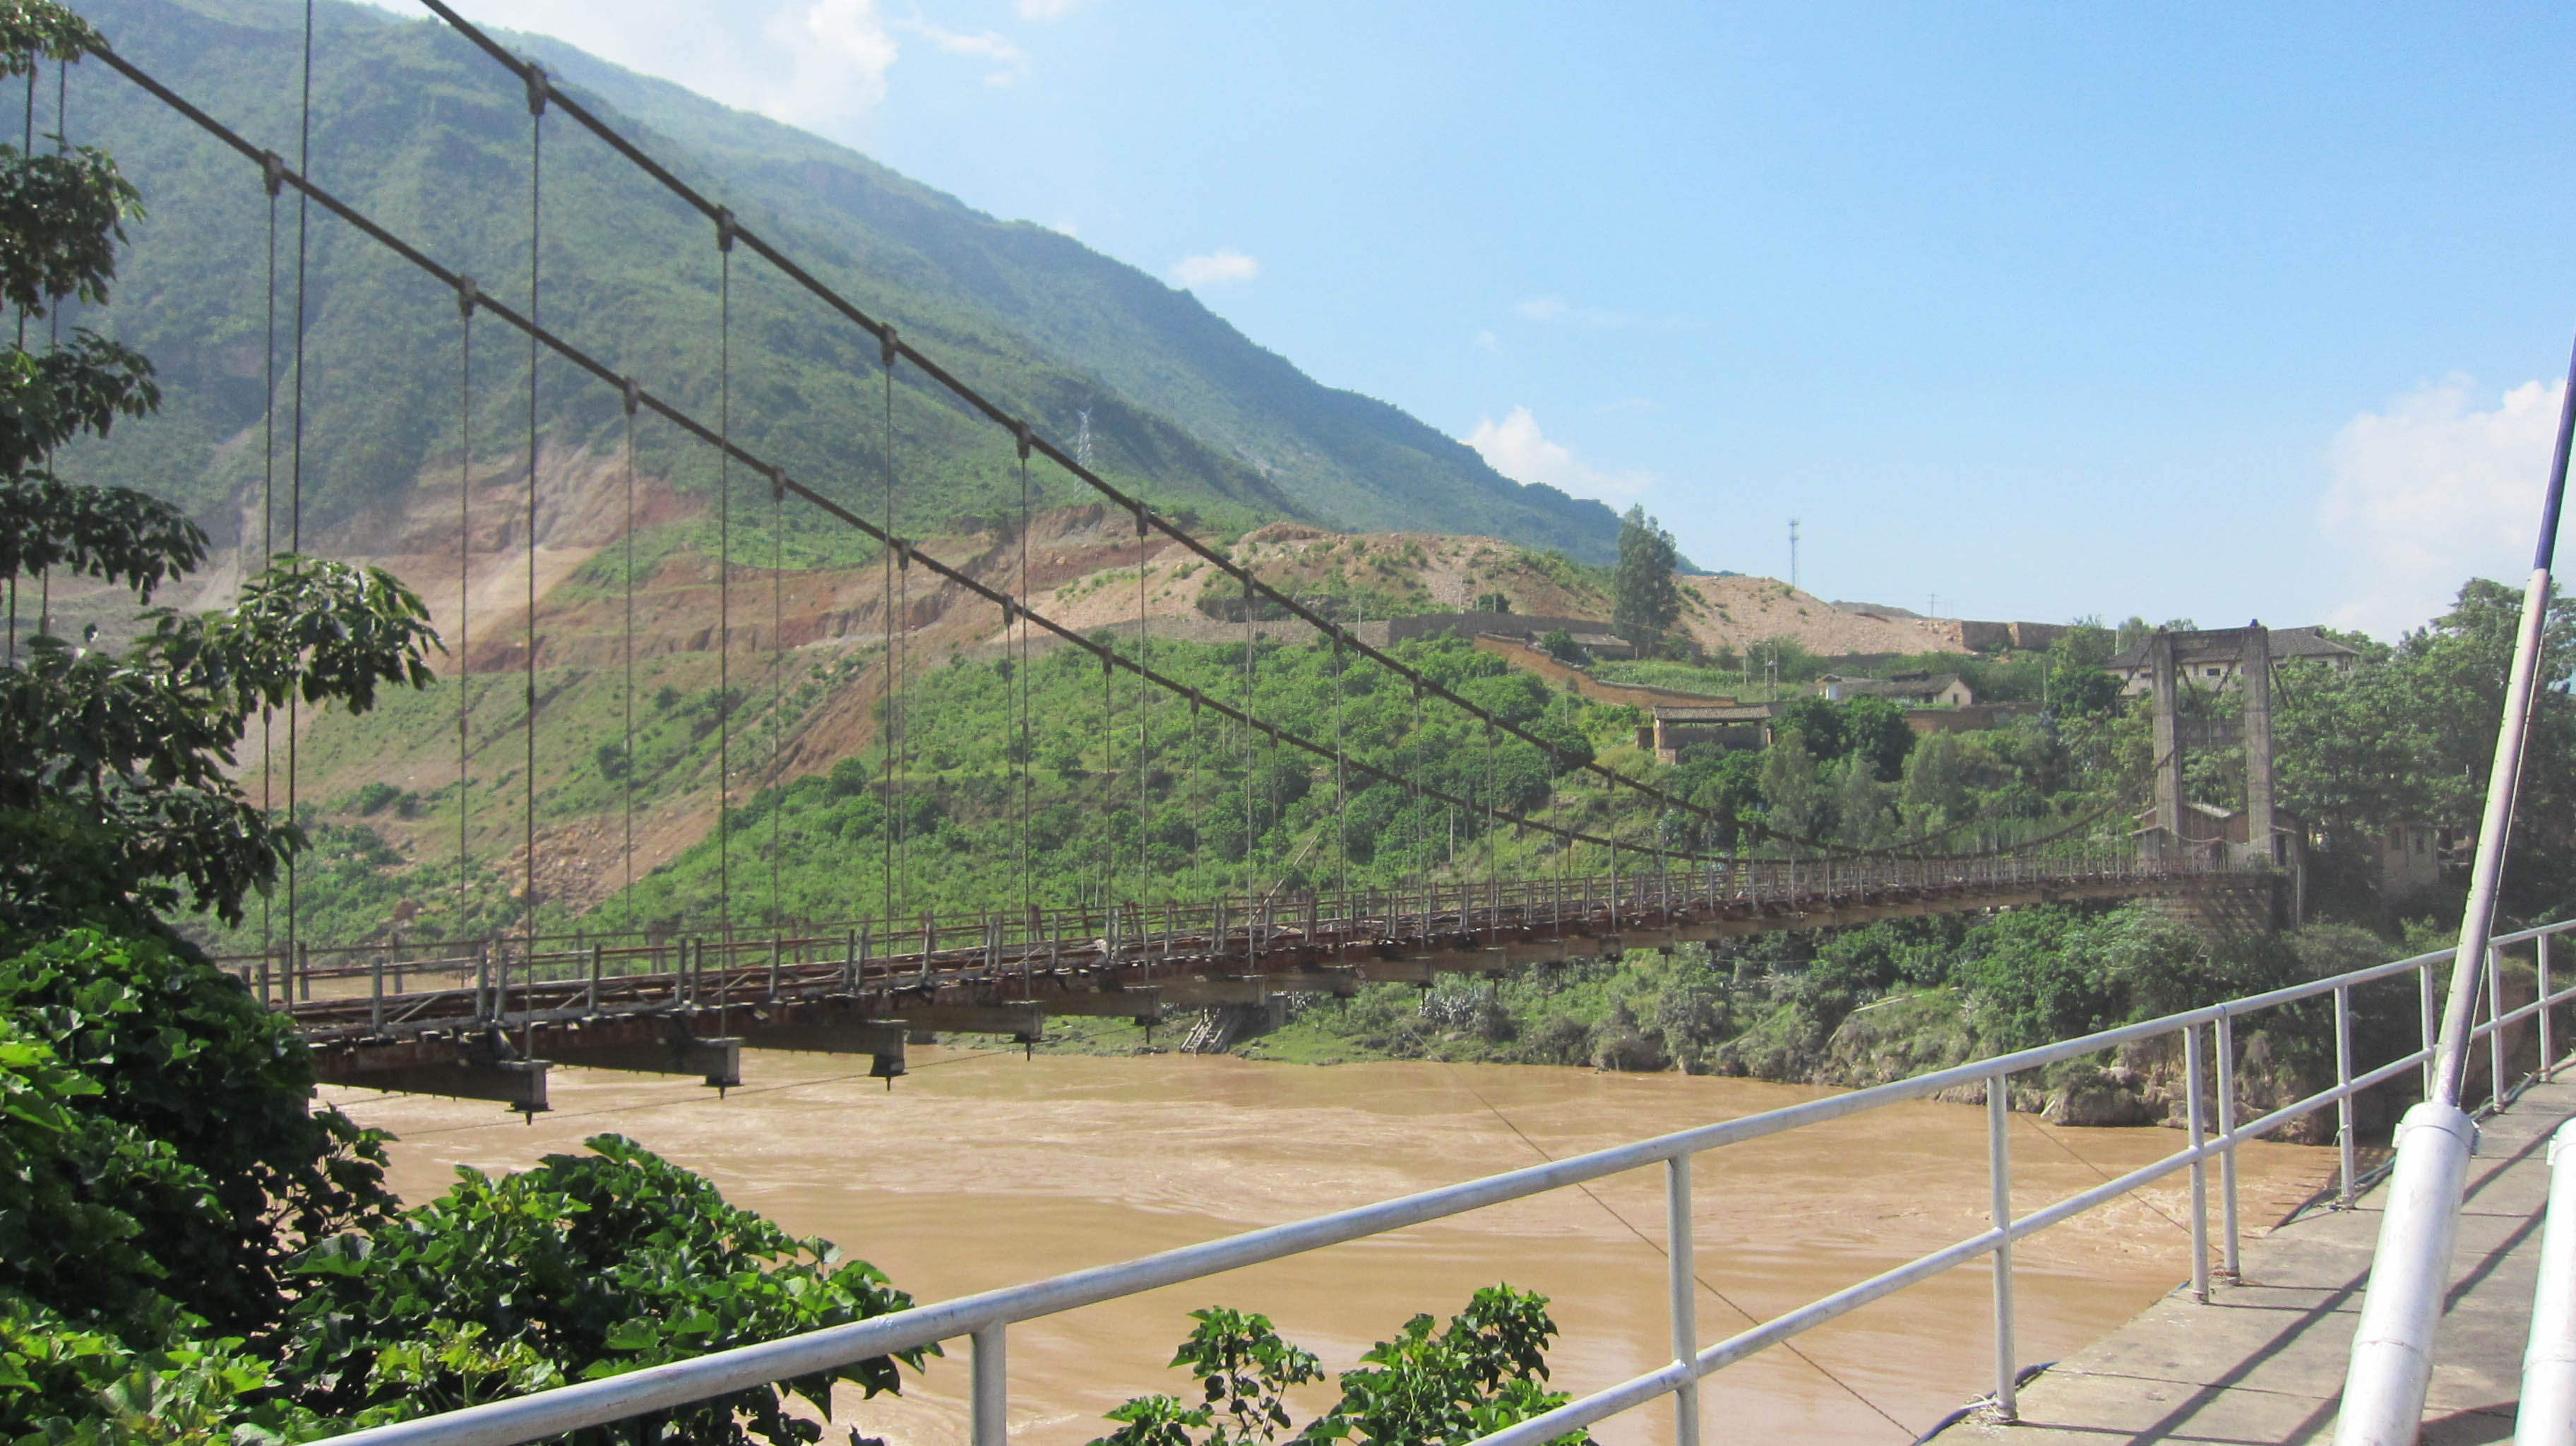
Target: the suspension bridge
(485, 1018)
(482, 1018)
(485, 1021)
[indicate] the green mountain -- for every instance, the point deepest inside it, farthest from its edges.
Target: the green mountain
(420, 131)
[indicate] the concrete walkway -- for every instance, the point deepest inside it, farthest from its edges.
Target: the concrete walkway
(2264, 1360)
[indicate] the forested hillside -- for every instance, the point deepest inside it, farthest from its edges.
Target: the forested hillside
(428, 136)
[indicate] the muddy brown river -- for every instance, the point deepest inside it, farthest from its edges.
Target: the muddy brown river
(982, 1170)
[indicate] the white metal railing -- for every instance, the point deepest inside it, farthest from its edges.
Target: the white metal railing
(985, 1318)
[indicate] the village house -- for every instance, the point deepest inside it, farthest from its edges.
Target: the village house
(1912, 690)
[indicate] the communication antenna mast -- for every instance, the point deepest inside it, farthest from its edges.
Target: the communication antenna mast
(1793, 553)
(1082, 440)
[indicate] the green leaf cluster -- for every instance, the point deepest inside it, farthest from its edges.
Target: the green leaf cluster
(1429, 1386)
(584, 1266)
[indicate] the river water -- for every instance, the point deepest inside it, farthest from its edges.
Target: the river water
(982, 1170)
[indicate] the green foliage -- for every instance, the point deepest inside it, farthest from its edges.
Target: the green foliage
(1429, 1386)
(72, 1239)
(179, 1053)
(118, 798)
(1219, 810)
(2407, 738)
(1644, 599)
(585, 1266)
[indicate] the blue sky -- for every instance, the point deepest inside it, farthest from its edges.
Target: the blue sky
(2207, 311)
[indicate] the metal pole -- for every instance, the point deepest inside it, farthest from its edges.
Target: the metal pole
(1999, 1188)
(376, 998)
(1684, 1285)
(2547, 1416)
(2192, 1075)
(990, 1404)
(2226, 1031)
(2344, 1141)
(2495, 1026)
(598, 960)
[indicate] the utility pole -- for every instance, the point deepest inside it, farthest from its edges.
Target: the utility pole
(1793, 554)
(1082, 440)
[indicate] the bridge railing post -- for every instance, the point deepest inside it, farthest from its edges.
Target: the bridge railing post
(2345, 1145)
(598, 965)
(2000, 1212)
(2424, 1001)
(376, 995)
(1683, 1287)
(2548, 1045)
(2225, 1030)
(990, 1394)
(2495, 1025)
(2193, 1075)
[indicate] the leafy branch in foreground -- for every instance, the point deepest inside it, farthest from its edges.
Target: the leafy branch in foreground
(1427, 1387)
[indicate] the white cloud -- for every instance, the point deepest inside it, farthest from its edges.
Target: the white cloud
(1624, 407)
(2431, 491)
(1047, 9)
(1516, 448)
(1487, 341)
(838, 54)
(1215, 268)
(1008, 60)
(1539, 308)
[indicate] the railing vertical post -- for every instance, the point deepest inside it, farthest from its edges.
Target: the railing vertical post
(1999, 1196)
(598, 963)
(2344, 1142)
(264, 989)
(376, 997)
(2495, 1025)
(2192, 1074)
(777, 951)
(2424, 992)
(2226, 1039)
(304, 971)
(2548, 1046)
(1678, 1232)
(991, 1398)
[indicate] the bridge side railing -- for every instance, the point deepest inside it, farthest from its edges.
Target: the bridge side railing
(442, 983)
(985, 1319)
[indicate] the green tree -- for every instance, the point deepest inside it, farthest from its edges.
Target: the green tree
(1644, 599)
(1795, 799)
(1874, 730)
(1933, 796)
